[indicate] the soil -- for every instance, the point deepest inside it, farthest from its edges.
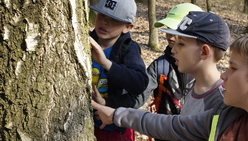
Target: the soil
(229, 10)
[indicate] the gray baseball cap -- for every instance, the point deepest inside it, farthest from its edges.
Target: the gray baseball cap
(121, 10)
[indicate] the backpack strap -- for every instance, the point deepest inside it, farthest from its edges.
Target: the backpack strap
(163, 65)
(162, 73)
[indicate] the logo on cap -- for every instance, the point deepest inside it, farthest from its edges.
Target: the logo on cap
(110, 4)
(186, 21)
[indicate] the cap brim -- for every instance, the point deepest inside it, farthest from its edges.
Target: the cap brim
(169, 22)
(107, 14)
(175, 32)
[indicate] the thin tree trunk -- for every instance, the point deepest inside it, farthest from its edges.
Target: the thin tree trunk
(208, 5)
(246, 6)
(92, 15)
(153, 34)
(193, 1)
(45, 71)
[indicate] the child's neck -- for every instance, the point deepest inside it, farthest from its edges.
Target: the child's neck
(106, 43)
(206, 81)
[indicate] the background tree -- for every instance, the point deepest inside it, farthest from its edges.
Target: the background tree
(246, 6)
(92, 15)
(208, 5)
(153, 32)
(45, 71)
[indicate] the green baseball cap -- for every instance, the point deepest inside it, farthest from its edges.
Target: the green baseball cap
(176, 14)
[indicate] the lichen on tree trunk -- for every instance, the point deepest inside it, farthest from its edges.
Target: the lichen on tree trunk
(45, 71)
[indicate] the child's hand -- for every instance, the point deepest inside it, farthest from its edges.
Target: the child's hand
(96, 96)
(98, 55)
(105, 113)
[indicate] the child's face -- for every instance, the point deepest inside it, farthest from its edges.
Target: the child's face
(236, 82)
(170, 39)
(188, 53)
(109, 28)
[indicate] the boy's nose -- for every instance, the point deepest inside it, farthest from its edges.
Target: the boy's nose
(223, 76)
(106, 20)
(173, 50)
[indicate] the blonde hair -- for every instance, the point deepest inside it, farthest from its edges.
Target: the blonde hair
(240, 46)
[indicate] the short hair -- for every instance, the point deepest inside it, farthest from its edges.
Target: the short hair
(240, 46)
(218, 52)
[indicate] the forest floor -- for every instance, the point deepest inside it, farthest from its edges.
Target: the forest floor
(229, 10)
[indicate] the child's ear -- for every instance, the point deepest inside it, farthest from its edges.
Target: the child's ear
(128, 28)
(206, 49)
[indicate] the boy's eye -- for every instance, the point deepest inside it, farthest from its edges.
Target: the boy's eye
(181, 44)
(114, 20)
(100, 14)
(233, 68)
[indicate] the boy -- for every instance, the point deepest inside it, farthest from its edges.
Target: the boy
(197, 50)
(119, 72)
(177, 84)
(230, 125)
(171, 100)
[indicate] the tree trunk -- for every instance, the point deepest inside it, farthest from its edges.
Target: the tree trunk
(92, 15)
(208, 5)
(246, 6)
(153, 34)
(45, 71)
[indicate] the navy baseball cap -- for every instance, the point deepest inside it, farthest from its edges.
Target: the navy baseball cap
(205, 26)
(121, 10)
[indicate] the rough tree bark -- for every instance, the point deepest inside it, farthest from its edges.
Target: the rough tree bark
(153, 32)
(45, 71)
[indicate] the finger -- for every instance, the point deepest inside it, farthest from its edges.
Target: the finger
(98, 117)
(103, 125)
(93, 43)
(96, 113)
(95, 105)
(94, 88)
(96, 94)
(94, 91)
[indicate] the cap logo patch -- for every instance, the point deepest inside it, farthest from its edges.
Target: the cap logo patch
(186, 21)
(110, 4)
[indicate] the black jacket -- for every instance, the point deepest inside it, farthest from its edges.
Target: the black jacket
(127, 77)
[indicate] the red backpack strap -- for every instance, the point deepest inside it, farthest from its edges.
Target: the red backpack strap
(154, 106)
(157, 100)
